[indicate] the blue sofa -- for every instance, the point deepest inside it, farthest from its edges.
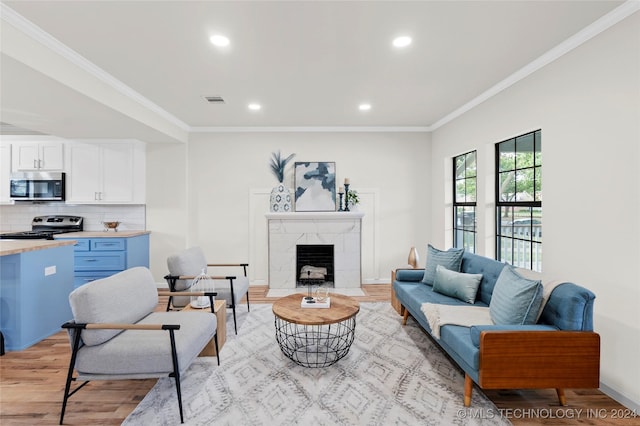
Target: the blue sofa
(560, 351)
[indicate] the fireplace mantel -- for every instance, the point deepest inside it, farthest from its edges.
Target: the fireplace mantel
(340, 229)
(314, 215)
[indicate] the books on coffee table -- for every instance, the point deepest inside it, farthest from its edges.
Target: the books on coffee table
(314, 303)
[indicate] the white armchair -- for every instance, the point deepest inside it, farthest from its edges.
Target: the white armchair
(186, 265)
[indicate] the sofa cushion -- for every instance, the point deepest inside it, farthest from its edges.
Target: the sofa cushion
(456, 284)
(450, 259)
(515, 300)
(147, 353)
(456, 338)
(125, 297)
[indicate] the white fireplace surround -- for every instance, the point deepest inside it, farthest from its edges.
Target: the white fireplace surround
(340, 229)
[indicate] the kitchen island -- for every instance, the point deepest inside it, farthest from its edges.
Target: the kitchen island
(36, 277)
(99, 254)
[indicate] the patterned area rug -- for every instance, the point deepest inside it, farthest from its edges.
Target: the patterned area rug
(392, 375)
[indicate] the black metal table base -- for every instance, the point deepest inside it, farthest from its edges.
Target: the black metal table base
(315, 346)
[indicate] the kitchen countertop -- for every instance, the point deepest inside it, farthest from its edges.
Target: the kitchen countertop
(101, 234)
(8, 247)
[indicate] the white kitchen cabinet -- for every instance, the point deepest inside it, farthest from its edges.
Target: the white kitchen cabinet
(5, 172)
(40, 156)
(106, 172)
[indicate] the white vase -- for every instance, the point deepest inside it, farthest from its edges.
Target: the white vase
(280, 200)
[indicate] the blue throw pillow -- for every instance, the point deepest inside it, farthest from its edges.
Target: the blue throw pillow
(456, 284)
(515, 299)
(450, 259)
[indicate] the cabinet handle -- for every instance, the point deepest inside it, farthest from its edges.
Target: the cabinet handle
(91, 260)
(39, 164)
(34, 164)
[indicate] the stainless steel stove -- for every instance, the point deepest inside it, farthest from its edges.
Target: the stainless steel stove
(45, 227)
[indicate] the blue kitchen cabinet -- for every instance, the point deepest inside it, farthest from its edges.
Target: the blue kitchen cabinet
(34, 294)
(100, 257)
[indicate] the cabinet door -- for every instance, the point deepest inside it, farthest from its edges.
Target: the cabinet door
(5, 172)
(45, 156)
(25, 156)
(50, 156)
(117, 173)
(83, 183)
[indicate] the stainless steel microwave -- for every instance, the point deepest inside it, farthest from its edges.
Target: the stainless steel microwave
(37, 186)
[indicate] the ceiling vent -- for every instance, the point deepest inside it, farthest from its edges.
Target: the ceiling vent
(214, 99)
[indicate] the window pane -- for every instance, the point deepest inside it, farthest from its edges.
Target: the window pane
(506, 156)
(536, 224)
(524, 185)
(471, 190)
(471, 164)
(524, 151)
(538, 148)
(507, 186)
(505, 218)
(538, 183)
(460, 167)
(469, 218)
(460, 191)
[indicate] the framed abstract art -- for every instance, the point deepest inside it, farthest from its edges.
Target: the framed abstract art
(315, 186)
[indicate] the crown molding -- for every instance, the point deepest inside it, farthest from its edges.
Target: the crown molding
(312, 129)
(605, 22)
(21, 23)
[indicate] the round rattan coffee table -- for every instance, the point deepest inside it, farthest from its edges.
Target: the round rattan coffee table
(315, 337)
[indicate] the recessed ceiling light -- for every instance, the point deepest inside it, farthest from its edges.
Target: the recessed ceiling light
(254, 107)
(402, 41)
(364, 107)
(219, 40)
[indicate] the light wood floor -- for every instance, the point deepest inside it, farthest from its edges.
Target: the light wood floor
(32, 384)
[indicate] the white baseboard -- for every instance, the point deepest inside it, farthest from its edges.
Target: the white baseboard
(376, 281)
(627, 402)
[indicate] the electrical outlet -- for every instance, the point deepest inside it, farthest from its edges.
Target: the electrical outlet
(49, 270)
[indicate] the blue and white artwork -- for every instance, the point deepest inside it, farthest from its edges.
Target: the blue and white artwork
(315, 186)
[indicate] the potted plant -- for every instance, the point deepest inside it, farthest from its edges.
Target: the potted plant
(353, 199)
(280, 200)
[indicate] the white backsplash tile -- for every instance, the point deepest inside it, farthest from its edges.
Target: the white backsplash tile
(18, 217)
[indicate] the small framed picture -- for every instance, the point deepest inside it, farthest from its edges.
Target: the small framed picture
(315, 189)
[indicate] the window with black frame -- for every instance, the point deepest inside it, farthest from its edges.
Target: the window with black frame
(464, 201)
(519, 201)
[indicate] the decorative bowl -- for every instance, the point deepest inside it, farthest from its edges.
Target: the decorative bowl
(111, 225)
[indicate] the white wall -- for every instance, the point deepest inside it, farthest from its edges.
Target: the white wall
(587, 104)
(219, 204)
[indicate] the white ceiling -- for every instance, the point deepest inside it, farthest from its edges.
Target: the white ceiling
(141, 69)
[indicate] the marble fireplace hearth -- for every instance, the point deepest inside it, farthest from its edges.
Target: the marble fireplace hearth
(342, 230)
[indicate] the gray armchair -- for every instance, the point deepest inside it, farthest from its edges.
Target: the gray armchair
(115, 333)
(186, 265)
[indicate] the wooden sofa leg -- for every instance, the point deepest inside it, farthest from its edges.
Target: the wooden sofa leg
(468, 389)
(561, 397)
(405, 316)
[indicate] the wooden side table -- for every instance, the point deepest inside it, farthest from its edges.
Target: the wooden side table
(220, 309)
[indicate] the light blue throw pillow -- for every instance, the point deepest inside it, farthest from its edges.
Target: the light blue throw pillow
(456, 284)
(515, 299)
(450, 259)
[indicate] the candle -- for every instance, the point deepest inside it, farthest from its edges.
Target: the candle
(341, 190)
(347, 181)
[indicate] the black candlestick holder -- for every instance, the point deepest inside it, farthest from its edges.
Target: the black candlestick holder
(340, 209)
(346, 197)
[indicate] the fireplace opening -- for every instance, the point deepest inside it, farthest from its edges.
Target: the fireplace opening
(314, 265)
